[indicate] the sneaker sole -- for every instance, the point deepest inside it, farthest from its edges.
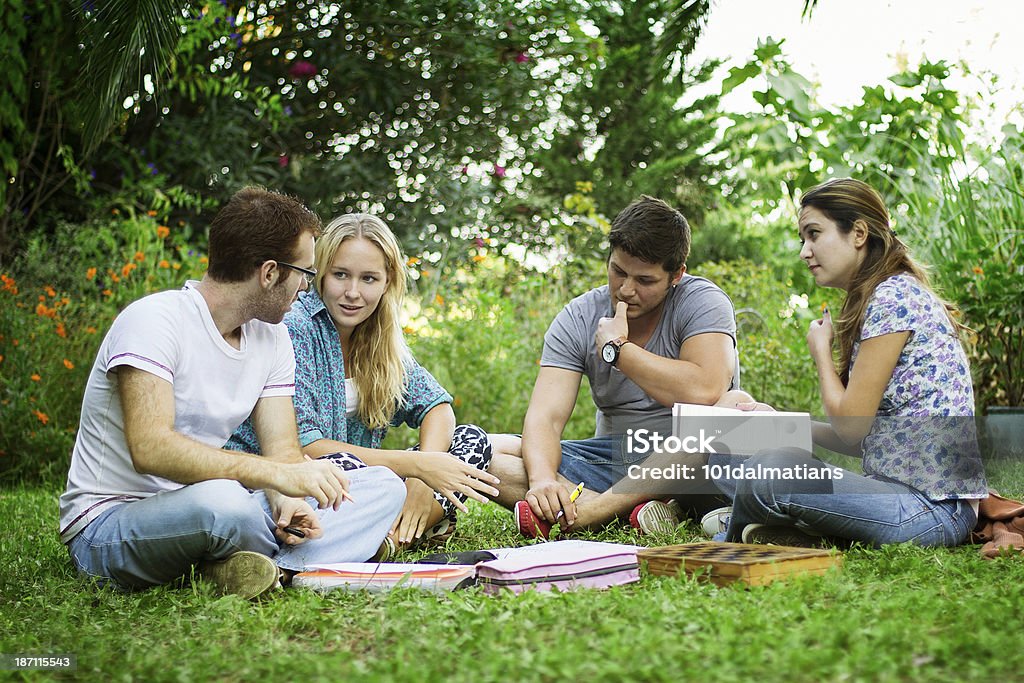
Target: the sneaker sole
(657, 517)
(246, 574)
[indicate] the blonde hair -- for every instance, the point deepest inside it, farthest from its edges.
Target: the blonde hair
(377, 354)
(846, 201)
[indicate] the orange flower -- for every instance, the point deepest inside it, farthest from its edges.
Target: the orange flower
(90, 274)
(9, 284)
(478, 258)
(164, 264)
(139, 256)
(41, 416)
(127, 269)
(115, 211)
(1, 358)
(61, 331)
(151, 213)
(439, 300)
(204, 260)
(45, 312)
(162, 231)
(68, 364)
(408, 330)
(978, 270)
(413, 260)
(65, 300)
(457, 402)
(35, 377)
(49, 291)
(90, 330)
(107, 292)
(176, 266)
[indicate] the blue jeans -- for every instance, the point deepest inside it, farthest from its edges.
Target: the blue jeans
(599, 462)
(859, 508)
(158, 539)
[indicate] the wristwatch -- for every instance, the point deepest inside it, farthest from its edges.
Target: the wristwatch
(610, 351)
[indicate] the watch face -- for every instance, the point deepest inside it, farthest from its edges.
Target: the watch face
(608, 352)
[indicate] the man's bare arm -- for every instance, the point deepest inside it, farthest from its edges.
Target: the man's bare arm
(701, 373)
(147, 403)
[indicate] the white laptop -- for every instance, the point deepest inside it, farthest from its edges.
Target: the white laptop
(740, 432)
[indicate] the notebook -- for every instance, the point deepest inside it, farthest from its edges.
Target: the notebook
(382, 576)
(561, 565)
(738, 432)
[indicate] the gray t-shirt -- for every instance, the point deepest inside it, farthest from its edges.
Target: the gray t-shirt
(694, 306)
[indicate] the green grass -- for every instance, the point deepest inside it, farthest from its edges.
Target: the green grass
(896, 614)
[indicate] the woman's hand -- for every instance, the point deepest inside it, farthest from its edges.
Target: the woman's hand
(819, 339)
(416, 514)
(448, 475)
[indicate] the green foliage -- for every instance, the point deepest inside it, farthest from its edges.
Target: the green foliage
(772, 321)
(482, 339)
(973, 231)
(55, 306)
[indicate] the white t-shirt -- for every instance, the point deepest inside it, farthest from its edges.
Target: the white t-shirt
(171, 335)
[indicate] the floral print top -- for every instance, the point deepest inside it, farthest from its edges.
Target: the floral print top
(320, 386)
(924, 433)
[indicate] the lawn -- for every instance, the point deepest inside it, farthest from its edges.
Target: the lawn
(896, 614)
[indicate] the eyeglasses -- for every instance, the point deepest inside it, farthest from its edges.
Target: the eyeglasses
(307, 273)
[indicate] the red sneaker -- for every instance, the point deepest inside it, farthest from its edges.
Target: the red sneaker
(530, 525)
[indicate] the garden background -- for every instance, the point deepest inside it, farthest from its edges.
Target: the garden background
(497, 139)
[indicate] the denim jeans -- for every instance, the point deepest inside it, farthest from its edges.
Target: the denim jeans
(859, 508)
(599, 462)
(158, 539)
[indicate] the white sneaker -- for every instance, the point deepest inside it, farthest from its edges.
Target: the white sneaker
(656, 517)
(716, 521)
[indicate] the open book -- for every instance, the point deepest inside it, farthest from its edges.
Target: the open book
(739, 432)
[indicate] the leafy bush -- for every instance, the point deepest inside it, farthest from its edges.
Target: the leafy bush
(49, 333)
(771, 324)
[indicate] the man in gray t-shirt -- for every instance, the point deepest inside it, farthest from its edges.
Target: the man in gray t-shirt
(650, 338)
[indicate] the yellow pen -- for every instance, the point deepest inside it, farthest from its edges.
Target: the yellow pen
(572, 498)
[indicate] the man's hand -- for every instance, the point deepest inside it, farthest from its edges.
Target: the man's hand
(548, 498)
(612, 328)
(320, 479)
(415, 515)
(447, 475)
(295, 513)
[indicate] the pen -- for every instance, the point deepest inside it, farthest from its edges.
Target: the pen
(295, 532)
(572, 498)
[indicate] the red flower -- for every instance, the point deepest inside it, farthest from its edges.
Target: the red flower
(282, 160)
(522, 58)
(302, 69)
(499, 171)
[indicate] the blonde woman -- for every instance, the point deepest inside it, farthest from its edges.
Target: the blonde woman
(355, 377)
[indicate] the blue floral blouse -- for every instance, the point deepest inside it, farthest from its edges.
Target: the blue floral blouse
(320, 386)
(924, 432)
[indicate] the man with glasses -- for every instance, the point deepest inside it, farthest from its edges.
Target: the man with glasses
(151, 493)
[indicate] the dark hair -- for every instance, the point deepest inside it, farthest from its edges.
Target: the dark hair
(651, 230)
(255, 226)
(846, 201)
